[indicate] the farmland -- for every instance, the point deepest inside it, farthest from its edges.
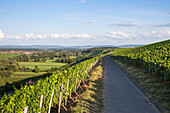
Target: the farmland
(19, 76)
(6, 56)
(42, 65)
(24, 75)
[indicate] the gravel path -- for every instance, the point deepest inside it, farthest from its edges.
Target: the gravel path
(120, 94)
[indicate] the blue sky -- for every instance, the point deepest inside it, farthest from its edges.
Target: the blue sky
(83, 22)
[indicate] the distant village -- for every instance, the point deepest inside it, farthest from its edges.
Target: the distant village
(17, 52)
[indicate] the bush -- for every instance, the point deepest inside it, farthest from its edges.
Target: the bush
(36, 70)
(5, 73)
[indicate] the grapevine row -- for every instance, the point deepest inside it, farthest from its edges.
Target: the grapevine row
(30, 96)
(155, 58)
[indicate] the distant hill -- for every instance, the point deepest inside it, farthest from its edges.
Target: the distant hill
(129, 46)
(30, 46)
(60, 47)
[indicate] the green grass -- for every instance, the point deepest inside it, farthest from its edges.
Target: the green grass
(29, 73)
(91, 100)
(43, 65)
(73, 57)
(24, 75)
(19, 76)
(5, 56)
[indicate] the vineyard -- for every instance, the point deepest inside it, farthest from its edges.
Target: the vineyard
(154, 58)
(54, 90)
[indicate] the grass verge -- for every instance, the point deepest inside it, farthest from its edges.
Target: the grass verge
(91, 100)
(153, 86)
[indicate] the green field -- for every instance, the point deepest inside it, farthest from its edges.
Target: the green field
(72, 56)
(19, 76)
(5, 56)
(42, 65)
(28, 73)
(23, 75)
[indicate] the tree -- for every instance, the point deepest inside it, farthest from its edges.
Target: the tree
(6, 73)
(51, 57)
(36, 70)
(43, 60)
(79, 54)
(23, 68)
(37, 59)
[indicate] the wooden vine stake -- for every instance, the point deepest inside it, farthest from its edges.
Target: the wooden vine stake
(76, 82)
(41, 102)
(76, 85)
(59, 105)
(70, 95)
(51, 100)
(64, 107)
(25, 109)
(80, 86)
(67, 89)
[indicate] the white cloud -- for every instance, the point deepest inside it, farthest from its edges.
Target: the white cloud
(33, 36)
(83, 35)
(67, 36)
(153, 32)
(1, 34)
(166, 33)
(109, 36)
(28, 35)
(40, 36)
(118, 35)
(55, 35)
(16, 37)
(135, 34)
(12, 37)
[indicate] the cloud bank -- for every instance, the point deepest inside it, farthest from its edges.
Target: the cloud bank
(108, 36)
(44, 36)
(138, 35)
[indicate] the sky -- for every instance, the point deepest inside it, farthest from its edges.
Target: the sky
(84, 22)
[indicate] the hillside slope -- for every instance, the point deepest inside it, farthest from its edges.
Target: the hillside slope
(155, 58)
